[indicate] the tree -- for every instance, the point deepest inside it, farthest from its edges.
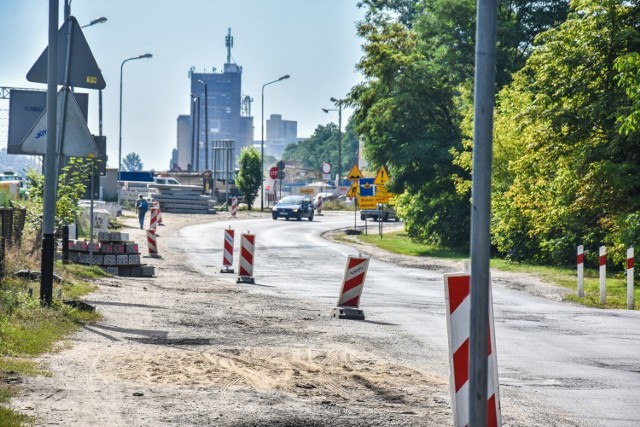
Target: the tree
(568, 168)
(132, 163)
(249, 177)
(322, 147)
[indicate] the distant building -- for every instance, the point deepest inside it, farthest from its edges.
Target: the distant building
(228, 116)
(280, 133)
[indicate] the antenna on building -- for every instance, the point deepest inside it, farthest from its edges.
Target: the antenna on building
(191, 70)
(228, 41)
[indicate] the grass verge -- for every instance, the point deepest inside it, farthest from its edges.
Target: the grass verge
(616, 285)
(28, 329)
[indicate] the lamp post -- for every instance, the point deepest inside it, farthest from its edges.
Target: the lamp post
(338, 103)
(206, 125)
(286, 76)
(146, 55)
(99, 20)
(194, 99)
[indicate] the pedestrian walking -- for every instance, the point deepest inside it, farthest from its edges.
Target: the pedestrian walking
(141, 209)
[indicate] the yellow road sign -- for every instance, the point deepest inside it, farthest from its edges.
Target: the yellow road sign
(355, 173)
(354, 190)
(367, 202)
(382, 177)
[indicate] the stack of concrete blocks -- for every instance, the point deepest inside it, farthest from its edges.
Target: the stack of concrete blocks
(114, 252)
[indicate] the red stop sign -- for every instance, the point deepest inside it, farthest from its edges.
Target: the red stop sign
(273, 172)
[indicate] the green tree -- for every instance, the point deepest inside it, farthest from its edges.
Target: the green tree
(132, 163)
(70, 189)
(249, 174)
(568, 170)
(322, 147)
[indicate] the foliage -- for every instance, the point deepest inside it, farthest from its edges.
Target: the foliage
(322, 147)
(250, 174)
(132, 163)
(567, 171)
(71, 187)
(418, 67)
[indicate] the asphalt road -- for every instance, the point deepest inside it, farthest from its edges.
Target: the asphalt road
(584, 361)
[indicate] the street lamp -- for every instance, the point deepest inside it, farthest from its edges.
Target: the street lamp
(339, 103)
(146, 55)
(194, 110)
(98, 20)
(286, 76)
(206, 126)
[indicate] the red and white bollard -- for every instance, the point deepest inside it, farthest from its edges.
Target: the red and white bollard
(153, 221)
(151, 242)
(580, 262)
(602, 259)
(630, 298)
(227, 251)
(234, 206)
(457, 288)
(247, 251)
(319, 208)
(351, 290)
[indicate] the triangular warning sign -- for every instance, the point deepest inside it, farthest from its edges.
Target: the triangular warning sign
(354, 190)
(83, 71)
(382, 177)
(355, 173)
(76, 141)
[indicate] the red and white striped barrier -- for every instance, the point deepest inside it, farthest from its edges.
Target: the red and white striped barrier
(227, 251)
(319, 208)
(457, 288)
(580, 263)
(630, 298)
(602, 259)
(153, 222)
(151, 242)
(351, 290)
(234, 206)
(157, 205)
(247, 251)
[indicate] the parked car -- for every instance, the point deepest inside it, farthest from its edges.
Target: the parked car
(384, 213)
(297, 207)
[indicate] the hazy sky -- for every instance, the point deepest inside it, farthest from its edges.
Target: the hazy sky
(314, 41)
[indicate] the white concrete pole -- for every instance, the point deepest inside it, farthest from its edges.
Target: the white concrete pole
(580, 263)
(630, 257)
(603, 274)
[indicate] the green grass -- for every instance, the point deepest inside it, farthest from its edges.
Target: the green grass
(28, 329)
(616, 285)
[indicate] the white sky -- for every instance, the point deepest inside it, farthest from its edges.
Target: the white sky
(314, 41)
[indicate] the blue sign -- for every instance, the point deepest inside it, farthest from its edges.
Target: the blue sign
(367, 188)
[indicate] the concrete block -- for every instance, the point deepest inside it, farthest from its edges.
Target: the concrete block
(73, 256)
(148, 271)
(114, 271)
(124, 271)
(103, 236)
(109, 260)
(122, 259)
(131, 248)
(136, 271)
(134, 259)
(96, 247)
(106, 248)
(114, 236)
(118, 248)
(124, 237)
(82, 245)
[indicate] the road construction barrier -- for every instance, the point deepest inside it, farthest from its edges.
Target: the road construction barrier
(227, 251)
(602, 259)
(630, 299)
(157, 205)
(457, 287)
(247, 250)
(151, 242)
(234, 206)
(153, 222)
(351, 290)
(319, 208)
(580, 262)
